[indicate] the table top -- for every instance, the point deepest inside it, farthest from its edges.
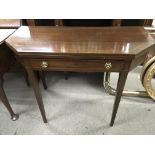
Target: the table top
(10, 23)
(4, 33)
(126, 41)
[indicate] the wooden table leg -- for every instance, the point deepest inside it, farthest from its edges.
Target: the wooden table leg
(120, 87)
(5, 101)
(43, 79)
(35, 85)
(26, 78)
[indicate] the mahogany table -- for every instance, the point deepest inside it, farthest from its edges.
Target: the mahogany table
(81, 49)
(5, 62)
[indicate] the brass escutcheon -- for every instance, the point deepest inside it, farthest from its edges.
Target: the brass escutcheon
(108, 65)
(44, 64)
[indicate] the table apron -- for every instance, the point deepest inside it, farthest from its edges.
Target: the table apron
(77, 65)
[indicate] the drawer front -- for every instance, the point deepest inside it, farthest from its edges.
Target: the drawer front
(76, 65)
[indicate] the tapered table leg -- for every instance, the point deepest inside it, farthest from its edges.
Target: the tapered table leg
(43, 79)
(67, 74)
(5, 101)
(120, 87)
(35, 86)
(26, 79)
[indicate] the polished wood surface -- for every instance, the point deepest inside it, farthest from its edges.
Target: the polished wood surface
(10, 23)
(120, 86)
(42, 74)
(81, 49)
(35, 86)
(125, 41)
(151, 31)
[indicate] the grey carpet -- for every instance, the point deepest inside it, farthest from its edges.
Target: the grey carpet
(76, 106)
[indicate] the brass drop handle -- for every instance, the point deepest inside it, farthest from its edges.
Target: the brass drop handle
(108, 65)
(44, 64)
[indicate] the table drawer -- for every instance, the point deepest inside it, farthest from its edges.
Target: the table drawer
(77, 65)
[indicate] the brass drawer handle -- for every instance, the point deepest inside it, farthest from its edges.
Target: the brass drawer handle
(108, 65)
(44, 64)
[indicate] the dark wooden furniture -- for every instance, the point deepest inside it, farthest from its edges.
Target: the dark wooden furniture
(16, 66)
(72, 22)
(81, 49)
(40, 22)
(136, 22)
(104, 22)
(89, 22)
(5, 63)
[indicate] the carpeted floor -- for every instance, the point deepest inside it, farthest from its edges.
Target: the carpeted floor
(76, 106)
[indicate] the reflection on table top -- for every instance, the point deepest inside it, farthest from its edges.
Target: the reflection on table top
(80, 40)
(4, 33)
(10, 23)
